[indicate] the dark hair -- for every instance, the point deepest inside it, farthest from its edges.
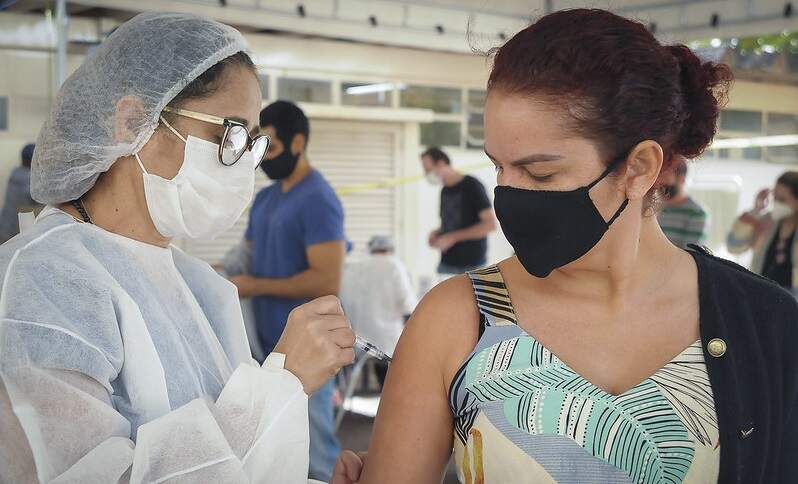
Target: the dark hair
(616, 82)
(790, 180)
(437, 155)
(208, 82)
(27, 154)
(287, 119)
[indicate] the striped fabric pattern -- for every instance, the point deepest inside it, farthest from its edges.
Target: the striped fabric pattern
(650, 432)
(684, 224)
(492, 296)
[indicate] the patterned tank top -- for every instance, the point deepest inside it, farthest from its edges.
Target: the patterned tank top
(523, 416)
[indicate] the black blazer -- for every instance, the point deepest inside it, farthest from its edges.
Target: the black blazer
(753, 370)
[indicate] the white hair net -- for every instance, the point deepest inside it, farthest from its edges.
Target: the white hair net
(150, 58)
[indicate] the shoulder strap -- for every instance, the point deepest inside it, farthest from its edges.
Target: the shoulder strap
(493, 300)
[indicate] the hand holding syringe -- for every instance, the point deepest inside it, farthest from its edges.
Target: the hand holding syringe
(372, 350)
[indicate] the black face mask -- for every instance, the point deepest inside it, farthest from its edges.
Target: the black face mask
(282, 165)
(551, 229)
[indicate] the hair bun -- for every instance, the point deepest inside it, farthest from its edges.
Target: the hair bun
(705, 87)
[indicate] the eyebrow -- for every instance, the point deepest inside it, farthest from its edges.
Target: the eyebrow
(535, 158)
(253, 131)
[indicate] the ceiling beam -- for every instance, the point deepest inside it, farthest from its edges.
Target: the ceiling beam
(405, 35)
(263, 18)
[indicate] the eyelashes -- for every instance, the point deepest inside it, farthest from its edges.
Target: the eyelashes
(543, 178)
(537, 178)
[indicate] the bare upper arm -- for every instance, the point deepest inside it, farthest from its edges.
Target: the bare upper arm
(327, 258)
(412, 438)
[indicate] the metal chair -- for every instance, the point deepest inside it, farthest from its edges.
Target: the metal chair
(348, 381)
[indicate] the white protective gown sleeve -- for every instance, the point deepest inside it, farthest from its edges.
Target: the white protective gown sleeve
(121, 362)
(66, 420)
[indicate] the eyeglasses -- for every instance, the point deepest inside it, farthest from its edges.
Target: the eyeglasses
(236, 139)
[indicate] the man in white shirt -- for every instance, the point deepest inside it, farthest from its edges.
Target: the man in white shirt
(378, 298)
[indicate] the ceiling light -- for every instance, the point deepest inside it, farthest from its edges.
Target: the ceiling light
(756, 141)
(375, 88)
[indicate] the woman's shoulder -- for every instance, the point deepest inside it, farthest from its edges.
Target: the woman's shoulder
(56, 307)
(444, 328)
(451, 298)
(53, 236)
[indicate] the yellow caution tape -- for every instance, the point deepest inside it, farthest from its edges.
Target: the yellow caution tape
(402, 180)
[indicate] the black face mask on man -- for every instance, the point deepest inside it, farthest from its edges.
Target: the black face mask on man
(551, 229)
(282, 165)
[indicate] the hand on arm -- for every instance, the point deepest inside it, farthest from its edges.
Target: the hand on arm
(480, 230)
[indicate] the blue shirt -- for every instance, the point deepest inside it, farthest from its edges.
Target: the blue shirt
(281, 228)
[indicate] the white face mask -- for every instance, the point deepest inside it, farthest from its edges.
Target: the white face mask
(780, 210)
(433, 178)
(205, 198)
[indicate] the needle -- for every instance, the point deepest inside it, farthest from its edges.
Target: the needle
(369, 348)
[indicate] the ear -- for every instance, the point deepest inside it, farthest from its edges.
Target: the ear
(129, 117)
(299, 143)
(643, 167)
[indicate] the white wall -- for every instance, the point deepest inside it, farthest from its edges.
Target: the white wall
(24, 79)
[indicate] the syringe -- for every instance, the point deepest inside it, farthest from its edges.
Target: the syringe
(369, 348)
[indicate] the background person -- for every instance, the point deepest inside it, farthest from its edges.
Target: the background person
(600, 352)
(18, 197)
(466, 215)
(296, 236)
(378, 298)
(121, 357)
(682, 218)
(771, 234)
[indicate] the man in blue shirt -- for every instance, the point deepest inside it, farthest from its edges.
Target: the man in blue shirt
(296, 237)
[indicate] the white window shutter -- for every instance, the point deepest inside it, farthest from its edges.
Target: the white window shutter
(347, 153)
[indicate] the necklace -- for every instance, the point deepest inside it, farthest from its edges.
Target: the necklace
(84, 214)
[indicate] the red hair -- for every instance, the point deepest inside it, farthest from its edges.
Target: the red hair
(617, 83)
